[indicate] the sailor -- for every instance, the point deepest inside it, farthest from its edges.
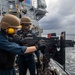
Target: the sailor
(27, 61)
(9, 26)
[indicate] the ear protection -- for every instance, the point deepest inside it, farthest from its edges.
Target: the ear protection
(20, 26)
(10, 31)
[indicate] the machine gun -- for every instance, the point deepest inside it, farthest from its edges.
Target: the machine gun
(33, 40)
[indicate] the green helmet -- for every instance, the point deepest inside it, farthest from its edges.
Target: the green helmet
(25, 20)
(10, 21)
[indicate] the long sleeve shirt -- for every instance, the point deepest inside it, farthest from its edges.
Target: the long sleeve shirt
(10, 46)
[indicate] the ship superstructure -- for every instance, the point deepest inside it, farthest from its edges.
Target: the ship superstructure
(35, 9)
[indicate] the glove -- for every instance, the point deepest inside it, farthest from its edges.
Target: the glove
(41, 45)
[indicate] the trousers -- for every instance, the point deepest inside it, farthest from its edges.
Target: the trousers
(26, 63)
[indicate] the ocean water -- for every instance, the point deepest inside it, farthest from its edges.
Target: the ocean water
(70, 60)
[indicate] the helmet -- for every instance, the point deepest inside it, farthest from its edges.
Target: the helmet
(25, 20)
(10, 21)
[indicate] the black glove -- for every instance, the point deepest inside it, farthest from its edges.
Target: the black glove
(41, 45)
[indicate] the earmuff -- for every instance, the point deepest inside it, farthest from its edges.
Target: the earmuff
(21, 26)
(10, 31)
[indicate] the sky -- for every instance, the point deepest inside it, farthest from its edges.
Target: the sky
(60, 17)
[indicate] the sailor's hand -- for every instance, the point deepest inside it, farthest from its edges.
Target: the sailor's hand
(41, 45)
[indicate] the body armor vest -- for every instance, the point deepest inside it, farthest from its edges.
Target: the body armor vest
(6, 60)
